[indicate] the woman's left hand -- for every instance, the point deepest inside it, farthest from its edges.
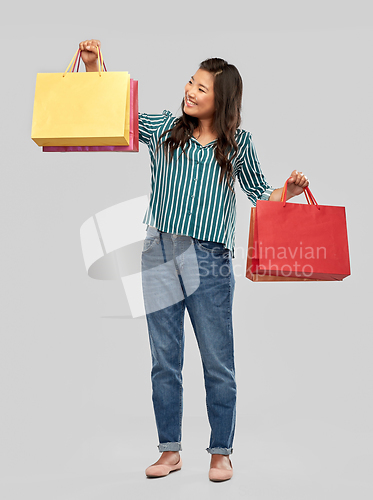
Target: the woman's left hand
(296, 184)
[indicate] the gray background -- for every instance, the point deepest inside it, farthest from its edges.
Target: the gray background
(76, 414)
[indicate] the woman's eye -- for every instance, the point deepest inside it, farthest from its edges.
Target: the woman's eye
(201, 90)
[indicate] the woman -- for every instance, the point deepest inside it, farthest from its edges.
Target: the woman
(187, 254)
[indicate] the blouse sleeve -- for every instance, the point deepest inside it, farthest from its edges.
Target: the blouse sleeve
(149, 124)
(250, 175)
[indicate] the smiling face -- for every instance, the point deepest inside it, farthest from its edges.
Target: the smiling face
(199, 98)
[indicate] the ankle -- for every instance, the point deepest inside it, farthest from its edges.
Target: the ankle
(217, 458)
(170, 457)
(170, 454)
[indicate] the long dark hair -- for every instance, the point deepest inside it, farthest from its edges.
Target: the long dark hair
(227, 117)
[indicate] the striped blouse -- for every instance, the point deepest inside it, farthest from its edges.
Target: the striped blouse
(186, 197)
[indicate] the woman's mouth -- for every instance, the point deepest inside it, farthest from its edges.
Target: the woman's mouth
(189, 102)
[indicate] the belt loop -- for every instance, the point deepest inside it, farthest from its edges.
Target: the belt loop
(162, 245)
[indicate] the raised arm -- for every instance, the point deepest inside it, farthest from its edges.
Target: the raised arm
(89, 54)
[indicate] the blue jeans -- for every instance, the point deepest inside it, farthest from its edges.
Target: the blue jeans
(181, 272)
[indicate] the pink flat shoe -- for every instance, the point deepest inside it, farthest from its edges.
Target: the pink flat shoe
(162, 470)
(218, 475)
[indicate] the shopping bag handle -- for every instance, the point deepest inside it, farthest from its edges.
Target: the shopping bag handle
(77, 56)
(100, 59)
(307, 193)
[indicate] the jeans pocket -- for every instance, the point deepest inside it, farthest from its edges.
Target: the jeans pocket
(212, 247)
(152, 237)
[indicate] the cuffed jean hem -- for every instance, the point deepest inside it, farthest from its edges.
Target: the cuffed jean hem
(169, 447)
(220, 451)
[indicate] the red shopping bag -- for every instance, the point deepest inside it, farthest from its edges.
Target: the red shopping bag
(294, 242)
(134, 125)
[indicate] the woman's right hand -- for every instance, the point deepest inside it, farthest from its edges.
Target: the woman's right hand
(89, 54)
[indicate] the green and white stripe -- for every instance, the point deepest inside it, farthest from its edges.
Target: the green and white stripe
(186, 197)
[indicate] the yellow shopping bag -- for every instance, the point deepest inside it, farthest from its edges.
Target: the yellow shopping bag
(82, 109)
